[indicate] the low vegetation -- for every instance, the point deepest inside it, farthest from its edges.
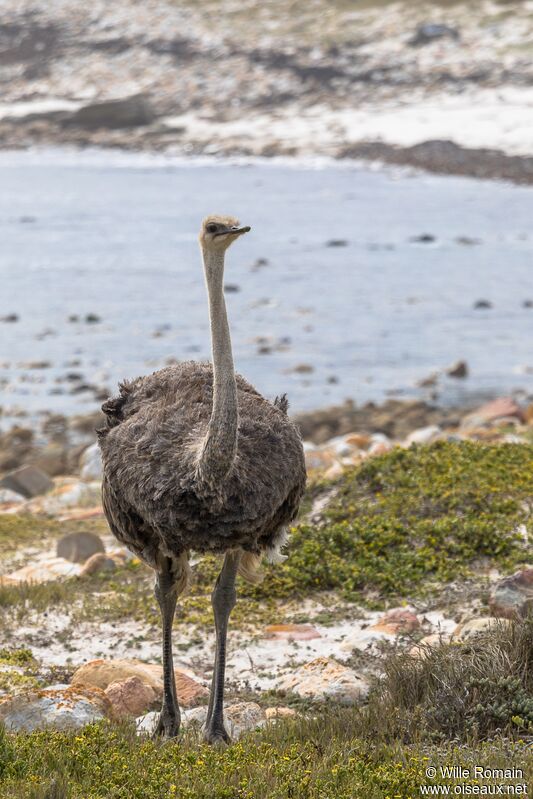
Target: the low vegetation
(462, 693)
(401, 525)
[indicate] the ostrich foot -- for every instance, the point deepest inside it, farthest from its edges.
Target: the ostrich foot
(167, 727)
(216, 736)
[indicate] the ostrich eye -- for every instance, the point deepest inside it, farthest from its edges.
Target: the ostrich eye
(212, 228)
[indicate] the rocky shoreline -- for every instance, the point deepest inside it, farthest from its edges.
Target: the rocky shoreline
(397, 88)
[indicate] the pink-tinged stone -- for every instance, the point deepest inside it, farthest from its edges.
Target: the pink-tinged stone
(294, 632)
(397, 621)
(512, 597)
(99, 562)
(102, 673)
(379, 448)
(503, 407)
(130, 697)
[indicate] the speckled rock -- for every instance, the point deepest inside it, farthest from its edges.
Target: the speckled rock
(512, 597)
(102, 673)
(130, 697)
(324, 678)
(61, 709)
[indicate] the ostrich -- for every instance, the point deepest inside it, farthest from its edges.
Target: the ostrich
(194, 458)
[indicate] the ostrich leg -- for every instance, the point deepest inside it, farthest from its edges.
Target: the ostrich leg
(223, 600)
(166, 592)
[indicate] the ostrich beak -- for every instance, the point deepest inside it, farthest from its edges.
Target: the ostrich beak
(234, 231)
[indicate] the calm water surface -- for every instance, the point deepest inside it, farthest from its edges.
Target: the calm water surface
(115, 236)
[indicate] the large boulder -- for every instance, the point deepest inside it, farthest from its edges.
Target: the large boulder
(128, 112)
(28, 481)
(512, 597)
(324, 678)
(60, 709)
(79, 547)
(102, 673)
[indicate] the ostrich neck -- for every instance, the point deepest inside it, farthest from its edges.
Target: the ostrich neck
(220, 444)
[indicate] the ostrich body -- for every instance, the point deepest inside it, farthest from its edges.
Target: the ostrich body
(196, 459)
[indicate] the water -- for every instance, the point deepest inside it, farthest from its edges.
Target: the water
(115, 235)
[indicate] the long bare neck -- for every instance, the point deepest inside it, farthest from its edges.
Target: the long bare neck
(220, 444)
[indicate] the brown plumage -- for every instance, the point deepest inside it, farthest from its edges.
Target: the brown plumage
(149, 490)
(196, 459)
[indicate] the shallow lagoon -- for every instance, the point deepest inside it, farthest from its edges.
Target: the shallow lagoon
(115, 235)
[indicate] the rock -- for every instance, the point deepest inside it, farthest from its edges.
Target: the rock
(358, 440)
(128, 112)
(423, 648)
(91, 463)
(379, 446)
(527, 304)
(61, 709)
(146, 725)
(15, 448)
(397, 622)
(79, 547)
(319, 459)
(10, 318)
(424, 238)
(99, 562)
(274, 713)
(424, 435)
(428, 382)
(334, 471)
(45, 571)
(503, 407)
(303, 369)
(130, 697)
(101, 673)
(231, 288)
(8, 497)
(324, 678)
(53, 460)
(337, 243)
(512, 597)
(238, 718)
(28, 481)
(480, 624)
(243, 717)
(458, 370)
(482, 305)
(432, 31)
(291, 632)
(467, 241)
(69, 494)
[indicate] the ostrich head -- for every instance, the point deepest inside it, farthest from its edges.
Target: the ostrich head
(218, 232)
